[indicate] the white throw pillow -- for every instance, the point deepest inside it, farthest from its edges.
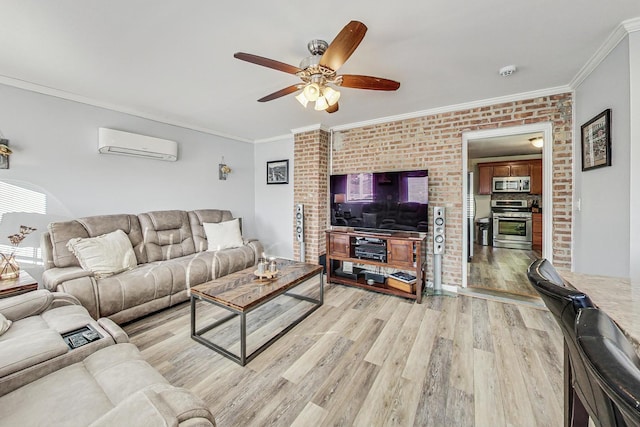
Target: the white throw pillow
(104, 255)
(4, 324)
(223, 235)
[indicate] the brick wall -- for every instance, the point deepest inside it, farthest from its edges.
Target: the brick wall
(435, 143)
(310, 171)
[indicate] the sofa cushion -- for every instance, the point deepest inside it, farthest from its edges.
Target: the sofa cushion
(61, 232)
(153, 281)
(199, 217)
(20, 351)
(223, 235)
(5, 324)
(80, 393)
(104, 255)
(166, 235)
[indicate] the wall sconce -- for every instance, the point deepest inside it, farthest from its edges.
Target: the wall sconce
(5, 152)
(223, 170)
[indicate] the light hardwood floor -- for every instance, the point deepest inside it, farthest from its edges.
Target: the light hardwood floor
(368, 359)
(501, 269)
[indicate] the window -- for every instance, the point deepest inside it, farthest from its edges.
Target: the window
(360, 187)
(15, 201)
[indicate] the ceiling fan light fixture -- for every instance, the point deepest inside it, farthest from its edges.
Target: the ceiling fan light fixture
(321, 104)
(302, 99)
(331, 95)
(312, 92)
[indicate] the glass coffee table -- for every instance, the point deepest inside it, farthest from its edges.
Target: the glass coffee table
(242, 292)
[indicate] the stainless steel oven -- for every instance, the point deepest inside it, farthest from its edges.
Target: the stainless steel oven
(512, 224)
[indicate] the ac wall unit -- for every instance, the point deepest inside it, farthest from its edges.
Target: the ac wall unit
(130, 144)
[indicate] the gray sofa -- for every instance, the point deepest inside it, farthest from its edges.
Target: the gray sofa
(172, 255)
(33, 346)
(105, 382)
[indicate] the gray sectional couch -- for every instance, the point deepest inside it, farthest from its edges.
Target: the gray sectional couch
(106, 382)
(171, 251)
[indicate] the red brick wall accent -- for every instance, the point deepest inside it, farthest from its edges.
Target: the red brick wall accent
(435, 143)
(310, 171)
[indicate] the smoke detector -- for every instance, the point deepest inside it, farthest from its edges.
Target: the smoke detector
(507, 71)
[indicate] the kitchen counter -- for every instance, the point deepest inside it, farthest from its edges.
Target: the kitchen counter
(616, 296)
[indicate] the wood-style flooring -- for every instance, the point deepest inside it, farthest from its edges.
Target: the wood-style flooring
(501, 269)
(368, 359)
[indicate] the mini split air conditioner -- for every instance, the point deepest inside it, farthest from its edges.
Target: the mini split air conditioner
(130, 144)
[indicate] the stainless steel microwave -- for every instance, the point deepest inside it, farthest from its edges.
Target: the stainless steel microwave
(511, 184)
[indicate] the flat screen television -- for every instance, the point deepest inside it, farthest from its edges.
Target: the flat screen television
(381, 201)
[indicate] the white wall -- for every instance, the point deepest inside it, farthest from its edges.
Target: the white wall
(55, 152)
(634, 233)
(602, 225)
(274, 202)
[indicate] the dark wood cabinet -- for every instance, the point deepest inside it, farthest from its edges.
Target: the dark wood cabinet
(485, 176)
(536, 231)
(531, 168)
(402, 251)
(536, 177)
(501, 170)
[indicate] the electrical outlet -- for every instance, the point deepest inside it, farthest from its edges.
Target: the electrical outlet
(429, 284)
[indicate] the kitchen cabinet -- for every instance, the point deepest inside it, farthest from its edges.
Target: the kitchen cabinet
(532, 168)
(485, 175)
(501, 170)
(536, 231)
(519, 169)
(536, 177)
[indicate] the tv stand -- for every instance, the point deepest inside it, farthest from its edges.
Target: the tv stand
(399, 251)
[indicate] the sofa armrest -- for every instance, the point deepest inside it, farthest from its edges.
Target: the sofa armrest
(118, 334)
(85, 290)
(257, 248)
(25, 305)
(52, 277)
(159, 404)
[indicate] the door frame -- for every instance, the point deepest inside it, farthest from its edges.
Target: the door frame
(546, 128)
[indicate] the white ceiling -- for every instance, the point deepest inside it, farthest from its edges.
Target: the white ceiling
(173, 61)
(511, 145)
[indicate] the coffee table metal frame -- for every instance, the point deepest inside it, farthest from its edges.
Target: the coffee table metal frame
(245, 358)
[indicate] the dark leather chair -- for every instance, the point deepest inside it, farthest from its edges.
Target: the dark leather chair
(612, 361)
(582, 397)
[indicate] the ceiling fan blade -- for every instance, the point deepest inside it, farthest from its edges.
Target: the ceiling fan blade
(332, 108)
(266, 62)
(278, 94)
(367, 82)
(343, 45)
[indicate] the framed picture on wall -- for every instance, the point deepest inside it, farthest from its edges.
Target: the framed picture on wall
(278, 172)
(596, 141)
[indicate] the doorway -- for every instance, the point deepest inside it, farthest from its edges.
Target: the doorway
(498, 268)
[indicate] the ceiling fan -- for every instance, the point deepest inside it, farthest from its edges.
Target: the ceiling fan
(318, 72)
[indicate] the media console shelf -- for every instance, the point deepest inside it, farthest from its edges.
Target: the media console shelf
(399, 251)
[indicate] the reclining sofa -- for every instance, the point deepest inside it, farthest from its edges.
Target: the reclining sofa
(46, 379)
(172, 254)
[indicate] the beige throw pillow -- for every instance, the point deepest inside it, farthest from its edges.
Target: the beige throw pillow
(223, 235)
(104, 255)
(4, 324)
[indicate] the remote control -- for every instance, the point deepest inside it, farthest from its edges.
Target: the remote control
(76, 341)
(91, 335)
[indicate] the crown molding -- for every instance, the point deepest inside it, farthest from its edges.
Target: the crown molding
(456, 107)
(287, 137)
(45, 90)
(310, 128)
(621, 31)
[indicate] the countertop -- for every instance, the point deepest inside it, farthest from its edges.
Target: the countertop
(615, 296)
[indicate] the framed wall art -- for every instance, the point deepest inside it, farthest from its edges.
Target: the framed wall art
(596, 141)
(278, 172)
